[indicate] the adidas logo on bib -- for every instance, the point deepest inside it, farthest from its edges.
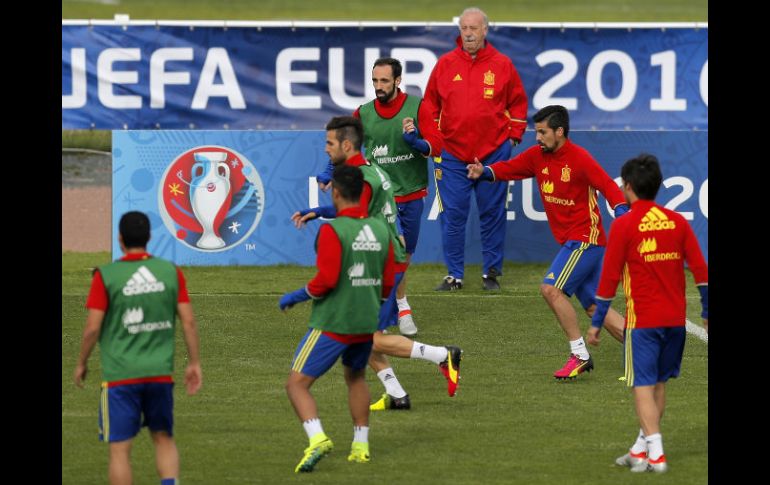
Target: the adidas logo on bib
(141, 282)
(366, 241)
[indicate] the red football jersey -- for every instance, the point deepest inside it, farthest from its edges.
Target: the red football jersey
(648, 247)
(568, 180)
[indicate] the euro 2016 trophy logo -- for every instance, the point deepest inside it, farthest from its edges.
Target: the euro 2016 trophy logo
(211, 198)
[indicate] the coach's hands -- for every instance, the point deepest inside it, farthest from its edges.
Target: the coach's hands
(290, 299)
(475, 169)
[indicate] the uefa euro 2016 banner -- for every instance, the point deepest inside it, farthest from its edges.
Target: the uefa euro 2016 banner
(239, 75)
(226, 197)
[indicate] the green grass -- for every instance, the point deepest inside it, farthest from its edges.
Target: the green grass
(510, 420)
(425, 10)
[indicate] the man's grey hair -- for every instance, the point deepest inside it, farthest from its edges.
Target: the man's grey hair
(476, 10)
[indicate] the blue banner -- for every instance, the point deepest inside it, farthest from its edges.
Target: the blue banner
(226, 197)
(193, 77)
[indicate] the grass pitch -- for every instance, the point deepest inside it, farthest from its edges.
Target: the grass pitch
(510, 421)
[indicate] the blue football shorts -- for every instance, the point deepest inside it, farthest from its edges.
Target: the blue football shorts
(653, 354)
(410, 217)
(576, 269)
(388, 315)
(317, 353)
(122, 407)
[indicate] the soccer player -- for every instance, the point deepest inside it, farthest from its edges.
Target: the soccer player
(393, 141)
(355, 271)
(647, 248)
(344, 135)
(132, 308)
(569, 178)
(476, 93)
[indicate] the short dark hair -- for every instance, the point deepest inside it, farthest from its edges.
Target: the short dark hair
(394, 64)
(347, 128)
(349, 181)
(644, 175)
(556, 115)
(134, 228)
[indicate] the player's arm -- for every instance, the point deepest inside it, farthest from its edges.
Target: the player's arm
(96, 303)
(697, 264)
(366, 197)
(328, 262)
(193, 375)
(517, 168)
(324, 178)
(612, 269)
(422, 134)
(388, 273)
(432, 100)
(300, 218)
(516, 107)
(602, 182)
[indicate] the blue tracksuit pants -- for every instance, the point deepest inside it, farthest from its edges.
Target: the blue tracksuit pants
(454, 192)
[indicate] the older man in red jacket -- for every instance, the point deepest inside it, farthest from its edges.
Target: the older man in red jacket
(480, 105)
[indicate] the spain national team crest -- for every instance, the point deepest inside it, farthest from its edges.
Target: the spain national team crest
(489, 78)
(211, 198)
(565, 174)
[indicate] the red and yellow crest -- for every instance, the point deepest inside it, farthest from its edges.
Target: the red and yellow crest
(565, 174)
(489, 78)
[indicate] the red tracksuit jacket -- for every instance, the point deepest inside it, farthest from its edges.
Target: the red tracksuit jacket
(479, 103)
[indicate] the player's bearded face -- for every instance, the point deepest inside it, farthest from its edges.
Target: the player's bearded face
(384, 83)
(334, 148)
(546, 137)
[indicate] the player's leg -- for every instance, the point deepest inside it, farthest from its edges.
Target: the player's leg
(653, 355)
(120, 410)
(491, 202)
(569, 269)
(453, 189)
(158, 410)
(166, 457)
(120, 462)
(315, 355)
(354, 359)
(586, 293)
(395, 397)
(410, 216)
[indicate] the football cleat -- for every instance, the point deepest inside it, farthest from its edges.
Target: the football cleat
(389, 402)
(450, 283)
(359, 452)
(451, 368)
(313, 453)
(574, 366)
(631, 459)
(406, 323)
(650, 465)
(489, 281)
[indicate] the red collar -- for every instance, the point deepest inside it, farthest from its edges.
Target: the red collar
(135, 256)
(354, 212)
(391, 108)
(356, 160)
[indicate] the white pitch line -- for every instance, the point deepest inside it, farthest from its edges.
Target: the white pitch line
(697, 330)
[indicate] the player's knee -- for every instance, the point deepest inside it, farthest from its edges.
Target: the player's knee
(549, 292)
